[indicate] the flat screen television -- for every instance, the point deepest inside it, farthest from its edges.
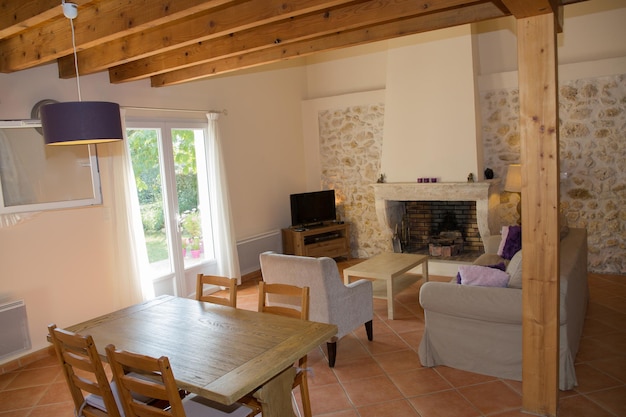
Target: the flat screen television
(313, 208)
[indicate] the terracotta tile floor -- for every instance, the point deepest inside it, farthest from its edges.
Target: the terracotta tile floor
(384, 377)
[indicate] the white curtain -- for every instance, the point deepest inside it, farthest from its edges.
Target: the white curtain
(221, 217)
(131, 254)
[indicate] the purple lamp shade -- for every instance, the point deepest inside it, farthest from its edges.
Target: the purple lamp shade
(81, 122)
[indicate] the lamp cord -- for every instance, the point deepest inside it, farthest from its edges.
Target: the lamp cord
(75, 60)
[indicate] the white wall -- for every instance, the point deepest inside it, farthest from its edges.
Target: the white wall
(593, 31)
(62, 263)
(353, 70)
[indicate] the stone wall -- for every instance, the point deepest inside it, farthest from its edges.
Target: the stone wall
(351, 142)
(592, 151)
(592, 154)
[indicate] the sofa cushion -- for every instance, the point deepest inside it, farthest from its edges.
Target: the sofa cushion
(487, 259)
(511, 241)
(514, 269)
(483, 276)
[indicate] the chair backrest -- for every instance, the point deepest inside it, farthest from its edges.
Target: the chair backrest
(140, 375)
(229, 283)
(298, 298)
(298, 307)
(83, 370)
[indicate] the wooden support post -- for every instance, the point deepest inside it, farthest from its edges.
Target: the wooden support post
(539, 123)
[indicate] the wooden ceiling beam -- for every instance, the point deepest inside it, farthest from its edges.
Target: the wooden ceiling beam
(97, 22)
(447, 18)
(330, 21)
(18, 15)
(197, 28)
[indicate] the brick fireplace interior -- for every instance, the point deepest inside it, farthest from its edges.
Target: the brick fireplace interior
(421, 212)
(444, 229)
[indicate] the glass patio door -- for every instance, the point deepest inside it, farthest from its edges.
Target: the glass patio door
(170, 173)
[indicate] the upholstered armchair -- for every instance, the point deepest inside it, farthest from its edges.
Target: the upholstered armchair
(346, 306)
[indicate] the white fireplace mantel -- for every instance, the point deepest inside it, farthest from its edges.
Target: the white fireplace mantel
(390, 198)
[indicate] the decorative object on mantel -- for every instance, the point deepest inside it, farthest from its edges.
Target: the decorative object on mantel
(381, 179)
(426, 180)
(470, 177)
(513, 184)
(80, 122)
(488, 174)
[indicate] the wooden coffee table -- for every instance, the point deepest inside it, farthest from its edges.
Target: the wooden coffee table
(389, 267)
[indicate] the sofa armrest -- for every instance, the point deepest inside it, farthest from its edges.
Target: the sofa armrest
(490, 304)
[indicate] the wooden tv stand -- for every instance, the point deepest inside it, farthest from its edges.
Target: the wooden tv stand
(331, 239)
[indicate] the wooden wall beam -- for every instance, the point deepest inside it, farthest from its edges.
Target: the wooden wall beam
(539, 121)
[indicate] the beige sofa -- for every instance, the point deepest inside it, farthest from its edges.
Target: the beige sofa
(479, 328)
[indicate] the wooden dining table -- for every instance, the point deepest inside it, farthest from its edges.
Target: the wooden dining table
(218, 352)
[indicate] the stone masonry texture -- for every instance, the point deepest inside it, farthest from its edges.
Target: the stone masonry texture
(592, 152)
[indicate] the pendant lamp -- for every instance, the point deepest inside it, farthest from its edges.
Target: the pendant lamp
(80, 122)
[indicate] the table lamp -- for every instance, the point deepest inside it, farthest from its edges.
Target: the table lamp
(513, 184)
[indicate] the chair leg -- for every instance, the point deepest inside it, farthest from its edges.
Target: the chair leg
(332, 353)
(369, 330)
(304, 395)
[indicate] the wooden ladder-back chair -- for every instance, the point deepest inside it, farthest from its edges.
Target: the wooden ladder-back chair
(137, 374)
(229, 283)
(83, 371)
(293, 293)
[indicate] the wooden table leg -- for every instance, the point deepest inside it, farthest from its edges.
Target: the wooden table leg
(275, 395)
(425, 270)
(390, 298)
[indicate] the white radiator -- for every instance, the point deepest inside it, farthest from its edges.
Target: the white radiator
(14, 336)
(250, 248)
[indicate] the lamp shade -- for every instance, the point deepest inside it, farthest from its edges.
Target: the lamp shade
(81, 122)
(513, 181)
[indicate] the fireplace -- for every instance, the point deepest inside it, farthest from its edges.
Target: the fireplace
(439, 214)
(447, 229)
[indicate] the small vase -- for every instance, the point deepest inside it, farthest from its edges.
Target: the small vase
(195, 253)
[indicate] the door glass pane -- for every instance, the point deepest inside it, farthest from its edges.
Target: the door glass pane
(144, 152)
(191, 224)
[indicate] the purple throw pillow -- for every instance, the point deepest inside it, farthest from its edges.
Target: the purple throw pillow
(483, 276)
(513, 242)
(501, 266)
